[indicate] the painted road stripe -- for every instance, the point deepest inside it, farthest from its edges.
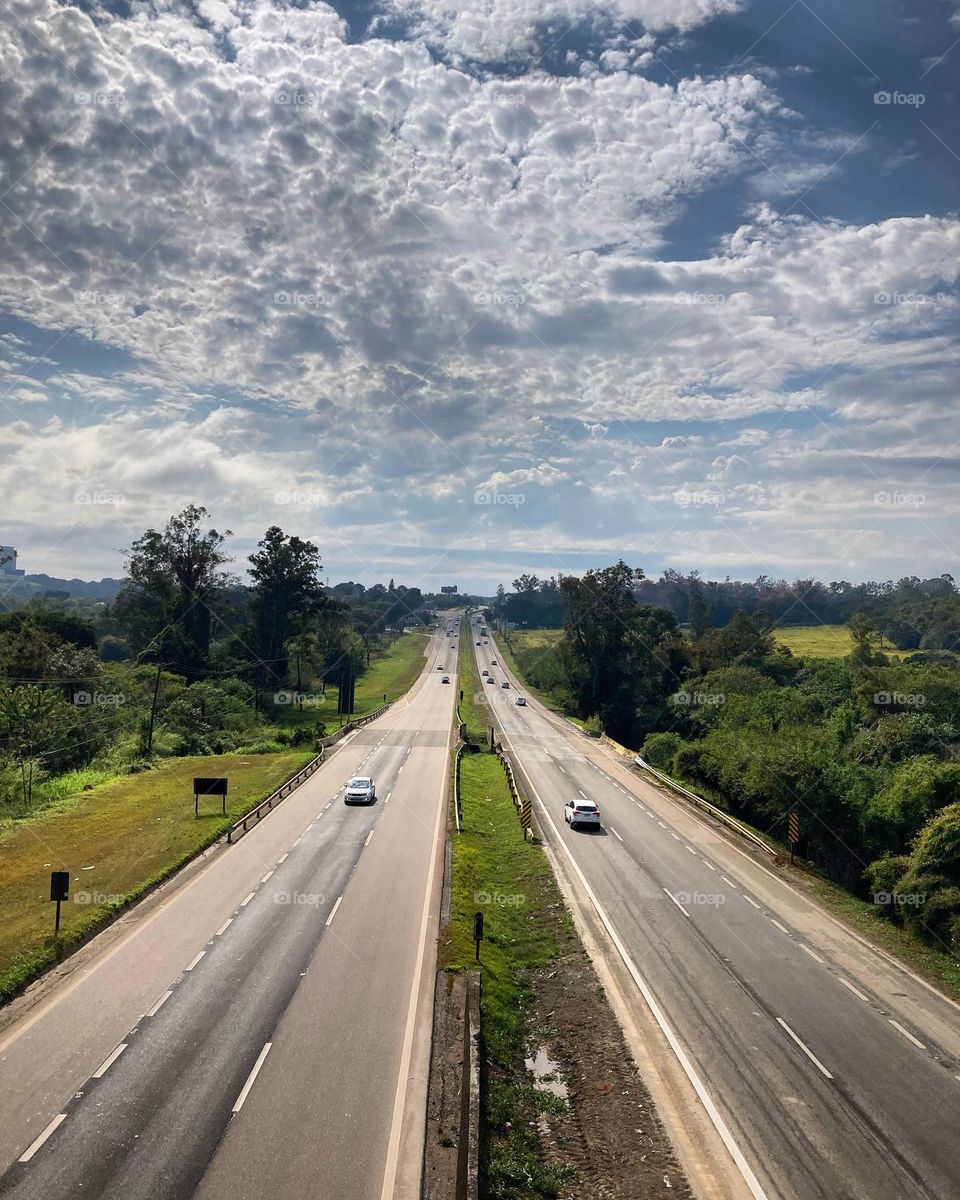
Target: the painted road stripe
(252, 1076)
(389, 794)
(561, 768)
(906, 1033)
(807, 950)
(246, 900)
(782, 928)
(195, 961)
(692, 851)
(676, 836)
(807, 1051)
(224, 927)
(729, 882)
(268, 874)
(298, 841)
(661, 824)
(369, 836)
(35, 1146)
(162, 1001)
(856, 991)
(615, 834)
(709, 866)
(283, 858)
(109, 1061)
(333, 911)
(750, 900)
(677, 903)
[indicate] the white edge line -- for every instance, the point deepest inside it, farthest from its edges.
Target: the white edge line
(333, 911)
(35, 1145)
(697, 1083)
(677, 903)
(109, 1061)
(806, 1049)
(195, 961)
(252, 1076)
(856, 991)
(906, 1033)
(160, 1003)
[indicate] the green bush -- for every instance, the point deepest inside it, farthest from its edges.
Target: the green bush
(659, 749)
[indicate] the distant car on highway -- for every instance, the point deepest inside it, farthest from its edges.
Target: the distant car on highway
(440, 668)
(490, 679)
(478, 643)
(581, 812)
(445, 679)
(360, 790)
(505, 684)
(484, 672)
(494, 663)
(521, 701)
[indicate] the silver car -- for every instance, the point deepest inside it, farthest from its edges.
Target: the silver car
(360, 790)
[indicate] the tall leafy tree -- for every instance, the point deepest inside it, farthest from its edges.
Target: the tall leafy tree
(287, 594)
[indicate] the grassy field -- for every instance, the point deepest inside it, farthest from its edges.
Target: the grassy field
(824, 641)
(473, 709)
(495, 870)
(115, 840)
(391, 675)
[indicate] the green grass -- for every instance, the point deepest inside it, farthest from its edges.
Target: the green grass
(521, 640)
(525, 927)
(825, 641)
(473, 708)
(391, 675)
(129, 833)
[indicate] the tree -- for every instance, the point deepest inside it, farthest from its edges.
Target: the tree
(701, 615)
(175, 586)
(287, 593)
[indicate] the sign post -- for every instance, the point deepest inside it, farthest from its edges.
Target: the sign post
(478, 931)
(59, 891)
(793, 831)
(215, 786)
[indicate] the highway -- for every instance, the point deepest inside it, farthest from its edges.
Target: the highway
(261, 1027)
(825, 1070)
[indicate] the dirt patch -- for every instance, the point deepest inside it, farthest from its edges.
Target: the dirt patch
(609, 1129)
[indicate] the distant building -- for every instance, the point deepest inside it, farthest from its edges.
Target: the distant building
(449, 591)
(9, 567)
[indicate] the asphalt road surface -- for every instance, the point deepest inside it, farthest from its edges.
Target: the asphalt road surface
(835, 1074)
(262, 1027)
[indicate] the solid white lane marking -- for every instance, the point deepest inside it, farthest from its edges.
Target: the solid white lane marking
(812, 953)
(246, 900)
(35, 1145)
(268, 874)
(677, 903)
(615, 834)
(856, 991)
(806, 1049)
(782, 928)
(704, 1096)
(369, 836)
(906, 1033)
(224, 927)
(333, 911)
(750, 900)
(252, 1076)
(109, 1061)
(160, 1003)
(195, 961)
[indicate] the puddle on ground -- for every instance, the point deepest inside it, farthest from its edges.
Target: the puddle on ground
(546, 1073)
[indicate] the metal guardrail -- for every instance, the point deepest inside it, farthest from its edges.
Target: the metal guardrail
(723, 817)
(457, 806)
(522, 804)
(282, 792)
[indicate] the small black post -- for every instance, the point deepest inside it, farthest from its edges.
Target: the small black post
(478, 931)
(59, 891)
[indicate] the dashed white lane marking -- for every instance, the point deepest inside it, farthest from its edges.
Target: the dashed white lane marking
(283, 858)
(661, 824)
(676, 837)
(906, 1033)
(856, 991)
(369, 836)
(709, 866)
(298, 841)
(615, 834)
(333, 911)
(268, 874)
(223, 928)
(35, 1145)
(109, 1061)
(161, 1002)
(582, 793)
(812, 953)
(252, 1076)
(195, 961)
(246, 900)
(750, 900)
(729, 882)
(677, 903)
(782, 928)
(652, 816)
(806, 1049)
(692, 851)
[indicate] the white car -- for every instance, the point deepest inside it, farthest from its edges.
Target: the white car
(505, 684)
(521, 701)
(441, 668)
(445, 679)
(360, 790)
(493, 662)
(581, 812)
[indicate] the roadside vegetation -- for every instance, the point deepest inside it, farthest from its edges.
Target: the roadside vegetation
(117, 840)
(864, 746)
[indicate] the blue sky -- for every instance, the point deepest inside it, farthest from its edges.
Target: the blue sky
(462, 291)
